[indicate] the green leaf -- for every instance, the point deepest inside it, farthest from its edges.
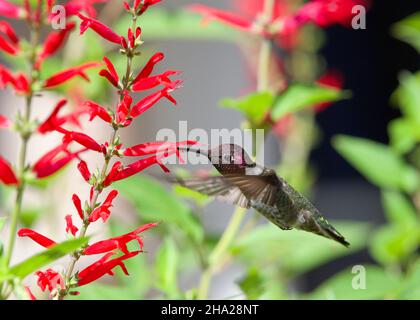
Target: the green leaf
(407, 96)
(167, 268)
(45, 257)
(403, 133)
(377, 162)
(393, 244)
(378, 285)
(252, 284)
(398, 208)
(411, 285)
(254, 106)
(408, 30)
(297, 251)
(154, 203)
(299, 96)
(30, 215)
(199, 198)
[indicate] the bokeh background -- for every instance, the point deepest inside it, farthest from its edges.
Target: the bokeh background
(213, 69)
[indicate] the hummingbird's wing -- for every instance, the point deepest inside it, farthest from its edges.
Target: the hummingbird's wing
(262, 188)
(217, 186)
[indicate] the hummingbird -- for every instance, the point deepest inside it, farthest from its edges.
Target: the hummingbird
(246, 184)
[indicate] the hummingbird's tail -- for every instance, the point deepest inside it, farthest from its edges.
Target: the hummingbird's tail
(333, 234)
(316, 223)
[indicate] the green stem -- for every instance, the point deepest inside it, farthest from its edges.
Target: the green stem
(231, 231)
(25, 135)
(75, 256)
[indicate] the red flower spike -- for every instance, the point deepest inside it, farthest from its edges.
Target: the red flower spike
(29, 293)
(38, 238)
(111, 74)
(148, 68)
(84, 170)
(103, 210)
(7, 29)
(4, 122)
(147, 4)
(82, 139)
(226, 17)
(50, 280)
(78, 205)
(51, 123)
(7, 176)
(10, 10)
(70, 227)
(68, 74)
(119, 242)
(95, 110)
(102, 267)
(149, 101)
(53, 42)
(151, 82)
(97, 26)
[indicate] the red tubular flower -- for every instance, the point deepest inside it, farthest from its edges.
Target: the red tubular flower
(115, 170)
(123, 110)
(103, 210)
(53, 42)
(4, 122)
(148, 148)
(102, 267)
(95, 110)
(332, 79)
(7, 29)
(8, 47)
(78, 205)
(7, 176)
(151, 82)
(68, 74)
(148, 68)
(9, 10)
(119, 242)
(70, 227)
(75, 6)
(38, 238)
(19, 82)
(53, 161)
(97, 26)
(111, 74)
(149, 101)
(226, 17)
(51, 123)
(141, 165)
(49, 279)
(82, 139)
(325, 13)
(146, 5)
(84, 170)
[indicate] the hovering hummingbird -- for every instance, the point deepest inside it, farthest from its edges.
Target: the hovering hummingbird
(249, 185)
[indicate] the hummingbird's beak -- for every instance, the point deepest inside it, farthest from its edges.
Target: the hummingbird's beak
(197, 151)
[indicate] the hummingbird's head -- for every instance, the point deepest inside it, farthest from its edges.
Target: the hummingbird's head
(230, 158)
